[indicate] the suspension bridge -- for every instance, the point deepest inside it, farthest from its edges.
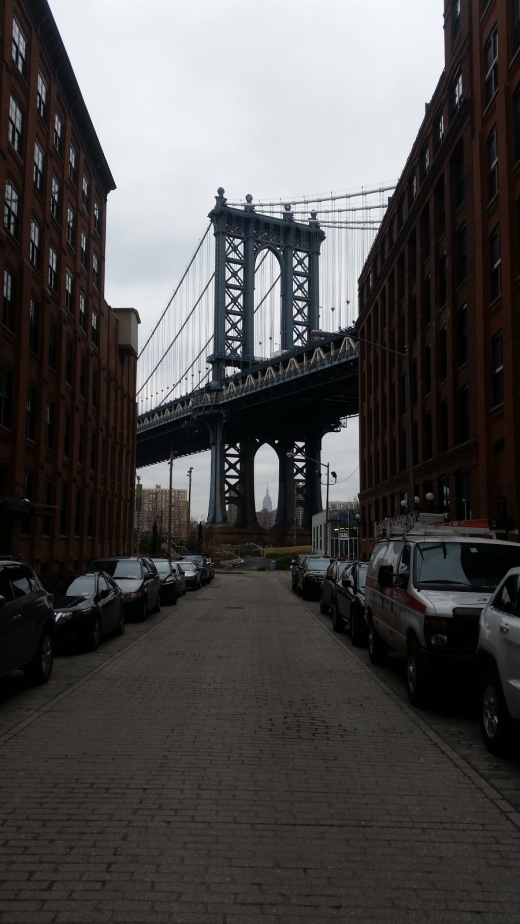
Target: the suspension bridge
(256, 346)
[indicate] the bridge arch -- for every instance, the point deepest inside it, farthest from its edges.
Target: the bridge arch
(268, 301)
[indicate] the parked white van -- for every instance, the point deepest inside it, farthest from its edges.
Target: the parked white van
(423, 598)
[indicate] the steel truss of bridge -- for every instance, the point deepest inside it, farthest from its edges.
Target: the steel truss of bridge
(289, 402)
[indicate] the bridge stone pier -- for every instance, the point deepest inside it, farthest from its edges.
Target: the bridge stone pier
(240, 237)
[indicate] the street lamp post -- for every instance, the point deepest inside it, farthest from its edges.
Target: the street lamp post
(190, 473)
(291, 455)
(172, 455)
(408, 398)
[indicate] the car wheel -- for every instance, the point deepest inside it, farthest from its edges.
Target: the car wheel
(358, 629)
(157, 608)
(495, 721)
(418, 684)
(94, 634)
(377, 650)
(303, 593)
(144, 611)
(298, 591)
(120, 629)
(40, 668)
(337, 622)
(324, 608)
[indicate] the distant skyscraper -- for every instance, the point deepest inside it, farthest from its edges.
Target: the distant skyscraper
(266, 516)
(267, 503)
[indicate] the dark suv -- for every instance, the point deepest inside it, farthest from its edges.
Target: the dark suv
(26, 623)
(310, 576)
(138, 579)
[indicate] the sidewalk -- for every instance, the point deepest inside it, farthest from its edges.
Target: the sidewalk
(238, 765)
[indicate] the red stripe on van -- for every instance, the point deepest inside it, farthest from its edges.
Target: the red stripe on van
(398, 594)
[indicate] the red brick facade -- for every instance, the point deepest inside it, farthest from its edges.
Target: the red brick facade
(67, 384)
(442, 279)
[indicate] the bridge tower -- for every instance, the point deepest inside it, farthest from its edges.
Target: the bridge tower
(240, 236)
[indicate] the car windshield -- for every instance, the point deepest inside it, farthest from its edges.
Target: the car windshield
(72, 585)
(188, 566)
(163, 567)
(120, 569)
(478, 566)
(318, 564)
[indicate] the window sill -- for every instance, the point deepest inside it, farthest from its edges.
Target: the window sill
(492, 202)
(495, 303)
(497, 408)
(488, 106)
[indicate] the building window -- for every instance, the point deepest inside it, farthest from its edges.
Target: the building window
(71, 226)
(495, 282)
(77, 515)
(55, 198)
(63, 509)
(81, 443)
(35, 244)
(83, 250)
(443, 280)
(413, 383)
(73, 164)
(440, 207)
(82, 311)
(38, 167)
(428, 437)
(83, 377)
(30, 413)
(425, 232)
(400, 213)
(516, 118)
(41, 97)
(49, 425)
(93, 452)
(95, 388)
(463, 494)
(443, 426)
(427, 301)
(85, 194)
(69, 291)
(461, 254)
(53, 346)
(66, 434)
(497, 370)
(9, 315)
(491, 66)
(25, 522)
(515, 32)
(95, 270)
(413, 321)
(424, 161)
(97, 217)
(34, 326)
(492, 158)
(19, 48)
(391, 233)
(53, 270)
(427, 369)
(58, 134)
(443, 354)
(458, 178)
(443, 493)
(90, 517)
(456, 92)
(11, 209)
(412, 189)
(462, 335)
(6, 397)
(438, 135)
(464, 414)
(455, 21)
(95, 330)
(15, 127)
(68, 361)
(47, 500)
(412, 256)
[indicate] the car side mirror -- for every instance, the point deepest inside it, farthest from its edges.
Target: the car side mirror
(402, 579)
(346, 582)
(293, 563)
(385, 576)
(2, 602)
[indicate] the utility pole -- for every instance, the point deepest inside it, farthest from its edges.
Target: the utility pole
(170, 506)
(190, 472)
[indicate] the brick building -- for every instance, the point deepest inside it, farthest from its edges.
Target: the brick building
(155, 509)
(67, 360)
(442, 280)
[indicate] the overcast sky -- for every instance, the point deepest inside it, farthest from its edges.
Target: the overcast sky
(278, 98)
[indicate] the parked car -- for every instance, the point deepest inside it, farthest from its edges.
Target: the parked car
(169, 580)
(310, 576)
(333, 574)
(348, 609)
(191, 573)
(498, 658)
(424, 597)
(86, 606)
(138, 579)
(201, 562)
(26, 623)
(211, 568)
(181, 578)
(294, 566)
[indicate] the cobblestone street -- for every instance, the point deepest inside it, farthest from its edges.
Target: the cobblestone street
(232, 761)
